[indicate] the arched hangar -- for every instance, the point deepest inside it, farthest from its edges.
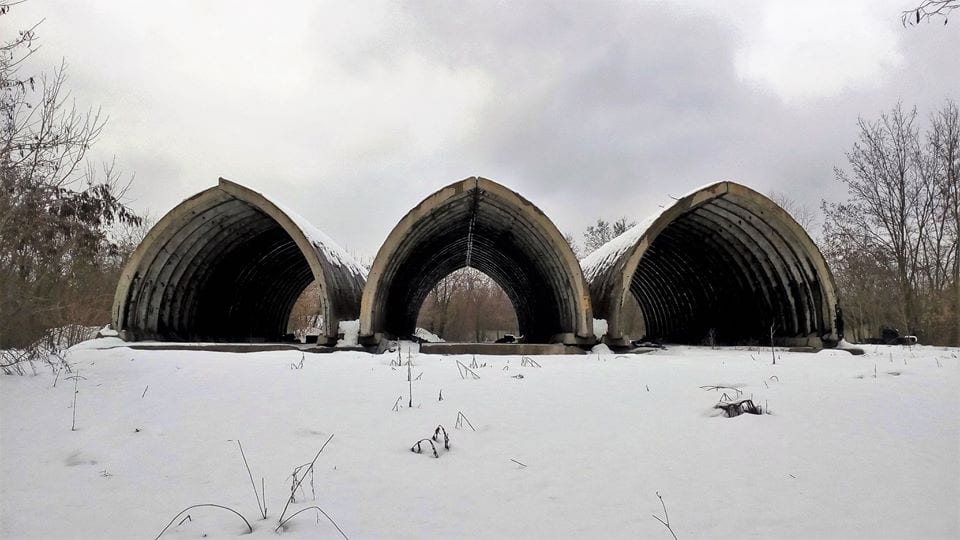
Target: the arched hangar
(481, 224)
(228, 264)
(724, 264)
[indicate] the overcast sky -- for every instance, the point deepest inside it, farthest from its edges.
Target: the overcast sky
(353, 112)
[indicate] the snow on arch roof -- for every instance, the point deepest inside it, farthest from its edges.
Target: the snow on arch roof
(227, 264)
(722, 259)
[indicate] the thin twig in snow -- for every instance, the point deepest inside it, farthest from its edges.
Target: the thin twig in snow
(76, 379)
(527, 361)
(666, 515)
(301, 479)
(461, 418)
(418, 449)
(284, 522)
(263, 511)
(247, 523)
(465, 369)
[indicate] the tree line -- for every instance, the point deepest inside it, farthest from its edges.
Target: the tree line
(893, 244)
(66, 229)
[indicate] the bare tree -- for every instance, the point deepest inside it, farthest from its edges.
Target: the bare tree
(602, 232)
(889, 205)
(929, 10)
(894, 242)
(573, 245)
(943, 249)
(801, 213)
(59, 248)
(467, 305)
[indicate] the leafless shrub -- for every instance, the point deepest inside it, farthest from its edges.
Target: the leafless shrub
(50, 350)
(297, 484)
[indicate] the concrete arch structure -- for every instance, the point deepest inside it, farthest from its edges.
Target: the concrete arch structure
(481, 224)
(725, 263)
(228, 264)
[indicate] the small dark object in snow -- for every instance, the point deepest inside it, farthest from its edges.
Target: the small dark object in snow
(517, 376)
(446, 439)
(736, 408)
(136, 430)
(418, 449)
(891, 336)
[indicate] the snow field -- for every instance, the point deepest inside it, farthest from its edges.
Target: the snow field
(842, 455)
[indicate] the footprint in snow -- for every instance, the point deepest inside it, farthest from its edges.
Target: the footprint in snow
(77, 458)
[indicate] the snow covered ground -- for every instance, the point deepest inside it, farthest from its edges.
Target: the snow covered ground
(843, 454)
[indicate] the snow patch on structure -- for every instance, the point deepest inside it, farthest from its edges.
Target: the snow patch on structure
(601, 348)
(350, 331)
(428, 336)
(609, 253)
(323, 243)
(599, 327)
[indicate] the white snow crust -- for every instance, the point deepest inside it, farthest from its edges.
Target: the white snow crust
(351, 333)
(428, 336)
(844, 454)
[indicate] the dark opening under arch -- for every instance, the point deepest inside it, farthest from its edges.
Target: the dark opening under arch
(724, 263)
(481, 224)
(228, 264)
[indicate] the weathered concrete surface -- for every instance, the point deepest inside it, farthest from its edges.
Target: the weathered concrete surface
(227, 265)
(239, 347)
(528, 349)
(481, 224)
(724, 263)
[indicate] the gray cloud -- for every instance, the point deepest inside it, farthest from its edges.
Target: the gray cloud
(352, 115)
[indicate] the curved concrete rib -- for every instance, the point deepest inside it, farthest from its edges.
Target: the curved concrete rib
(481, 224)
(724, 264)
(228, 264)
